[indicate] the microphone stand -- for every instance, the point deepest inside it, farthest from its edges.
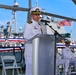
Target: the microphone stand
(55, 34)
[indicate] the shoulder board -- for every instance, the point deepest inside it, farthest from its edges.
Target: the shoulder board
(29, 22)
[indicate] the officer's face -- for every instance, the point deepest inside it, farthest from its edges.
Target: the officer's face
(36, 17)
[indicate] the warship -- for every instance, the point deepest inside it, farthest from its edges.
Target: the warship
(12, 42)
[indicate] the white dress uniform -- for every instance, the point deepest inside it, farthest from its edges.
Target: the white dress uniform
(30, 30)
(68, 54)
(61, 61)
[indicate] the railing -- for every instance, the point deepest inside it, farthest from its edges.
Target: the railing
(17, 51)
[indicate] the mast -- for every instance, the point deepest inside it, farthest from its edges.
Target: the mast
(14, 16)
(29, 6)
(36, 2)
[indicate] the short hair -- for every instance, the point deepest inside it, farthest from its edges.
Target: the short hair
(67, 42)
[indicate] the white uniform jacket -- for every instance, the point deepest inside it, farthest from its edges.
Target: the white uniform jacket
(30, 30)
(67, 53)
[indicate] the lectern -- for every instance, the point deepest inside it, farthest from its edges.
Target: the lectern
(43, 55)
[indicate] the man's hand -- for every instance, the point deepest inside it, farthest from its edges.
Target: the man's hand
(42, 29)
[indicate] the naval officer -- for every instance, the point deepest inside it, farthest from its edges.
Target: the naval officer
(31, 29)
(61, 61)
(68, 54)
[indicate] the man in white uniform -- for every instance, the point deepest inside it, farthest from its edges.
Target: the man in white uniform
(61, 61)
(68, 54)
(31, 29)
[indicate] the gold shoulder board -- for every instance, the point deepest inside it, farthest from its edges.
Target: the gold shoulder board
(29, 22)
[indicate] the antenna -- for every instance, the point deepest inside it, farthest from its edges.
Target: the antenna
(36, 2)
(29, 16)
(14, 1)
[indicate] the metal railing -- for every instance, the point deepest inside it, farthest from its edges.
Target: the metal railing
(17, 51)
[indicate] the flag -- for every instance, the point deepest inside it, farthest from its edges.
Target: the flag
(65, 23)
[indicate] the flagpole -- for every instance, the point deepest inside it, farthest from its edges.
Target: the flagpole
(71, 30)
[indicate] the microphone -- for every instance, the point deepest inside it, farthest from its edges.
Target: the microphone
(45, 21)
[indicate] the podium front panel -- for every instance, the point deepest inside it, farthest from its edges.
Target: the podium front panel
(43, 55)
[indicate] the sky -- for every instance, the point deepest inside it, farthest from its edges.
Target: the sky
(60, 7)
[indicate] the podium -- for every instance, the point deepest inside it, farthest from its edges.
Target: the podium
(43, 55)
